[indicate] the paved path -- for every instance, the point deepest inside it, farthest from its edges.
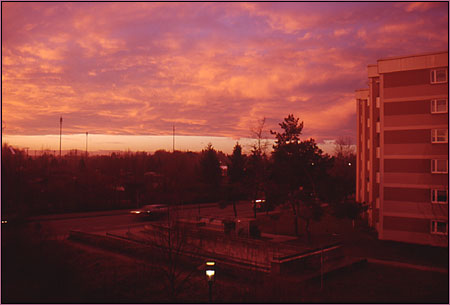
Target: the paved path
(406, 265)
(278, 238)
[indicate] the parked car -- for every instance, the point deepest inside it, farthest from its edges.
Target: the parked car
(151, 211)
(259, 204)
(262, 205)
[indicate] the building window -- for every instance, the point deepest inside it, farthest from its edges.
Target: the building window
(439, 196)
(439, 135)
(439, 227)
(439, 166)
(438, 76)
(439, 106)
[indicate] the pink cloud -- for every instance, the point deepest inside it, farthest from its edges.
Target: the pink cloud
(211, 69)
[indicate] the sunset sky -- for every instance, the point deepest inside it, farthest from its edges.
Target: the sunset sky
(127, 72)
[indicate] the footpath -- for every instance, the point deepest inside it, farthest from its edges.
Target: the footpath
(407, 265)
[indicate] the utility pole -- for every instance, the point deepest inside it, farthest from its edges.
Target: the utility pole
(173, 141)
(86, 144)
(60, 134)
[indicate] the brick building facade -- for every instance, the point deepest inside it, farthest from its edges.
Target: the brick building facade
(402, 148)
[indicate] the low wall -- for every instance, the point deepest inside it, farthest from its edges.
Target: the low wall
(112, 244)
(147, 251)
(137, 249)
(216, 244)
(258, 253)
(200, 244)
(310, 261)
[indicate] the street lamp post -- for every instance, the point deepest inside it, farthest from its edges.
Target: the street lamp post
(321, 268)
(210, 274)
(210, 291)
(60, 135)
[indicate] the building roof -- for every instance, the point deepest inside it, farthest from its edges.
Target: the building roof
(413, 55)
(411, 62)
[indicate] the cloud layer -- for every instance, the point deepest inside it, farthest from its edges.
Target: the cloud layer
(212, 69)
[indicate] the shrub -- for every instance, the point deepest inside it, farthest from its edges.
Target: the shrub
(254, 231)
(229, 226)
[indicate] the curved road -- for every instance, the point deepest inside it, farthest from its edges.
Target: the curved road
(98, 222)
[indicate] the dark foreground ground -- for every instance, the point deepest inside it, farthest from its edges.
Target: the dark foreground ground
(36, 269)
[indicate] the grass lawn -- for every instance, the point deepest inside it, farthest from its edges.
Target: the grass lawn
(360, 241)
(373, 283)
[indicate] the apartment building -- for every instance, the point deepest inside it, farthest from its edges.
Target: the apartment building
(402, 148)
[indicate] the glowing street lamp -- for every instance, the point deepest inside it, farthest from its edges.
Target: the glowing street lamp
(210, 274)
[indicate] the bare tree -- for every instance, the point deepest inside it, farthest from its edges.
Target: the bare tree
(343, 147)
(257, 132)
(257, 160)
(343, 171)
(174, 253)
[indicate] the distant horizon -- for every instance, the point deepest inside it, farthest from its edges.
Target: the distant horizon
(113, 143)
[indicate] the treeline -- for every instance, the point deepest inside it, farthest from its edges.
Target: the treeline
(296, 172)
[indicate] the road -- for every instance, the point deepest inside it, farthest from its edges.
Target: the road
(99, 222)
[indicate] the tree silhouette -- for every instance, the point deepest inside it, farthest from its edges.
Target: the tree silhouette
(291, 134)
(296, 167)
(210, 172)
(236, 176)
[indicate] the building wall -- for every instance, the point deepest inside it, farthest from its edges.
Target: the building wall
(398, 159)
(362, 150)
